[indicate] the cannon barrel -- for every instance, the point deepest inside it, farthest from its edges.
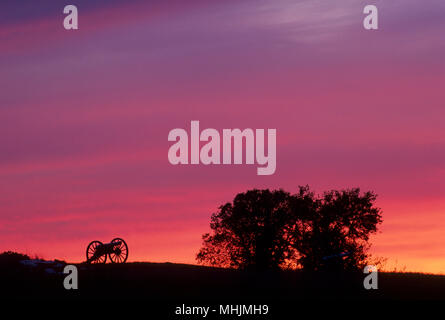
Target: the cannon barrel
(339, 255)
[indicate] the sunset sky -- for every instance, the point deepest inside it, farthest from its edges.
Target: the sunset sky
(85, 115)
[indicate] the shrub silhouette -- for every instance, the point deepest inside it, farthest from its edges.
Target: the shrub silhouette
(12, 258)
(265, 229)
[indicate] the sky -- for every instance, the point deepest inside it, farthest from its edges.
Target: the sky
(85, 115)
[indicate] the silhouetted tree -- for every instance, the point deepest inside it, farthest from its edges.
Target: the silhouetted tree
(250, 232)
(269, 229)
(338, 230)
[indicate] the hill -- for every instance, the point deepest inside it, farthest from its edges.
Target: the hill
(180, 282)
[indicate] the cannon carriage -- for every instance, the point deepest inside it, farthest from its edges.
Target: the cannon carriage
(98, 252)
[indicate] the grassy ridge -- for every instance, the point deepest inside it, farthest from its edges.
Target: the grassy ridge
(180, 282)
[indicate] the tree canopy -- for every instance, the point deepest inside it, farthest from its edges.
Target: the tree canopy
(265, 229)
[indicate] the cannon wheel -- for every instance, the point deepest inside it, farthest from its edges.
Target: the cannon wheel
(91, 249)
(120, 253)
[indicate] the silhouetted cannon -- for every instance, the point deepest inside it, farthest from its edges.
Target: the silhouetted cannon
(117, 250)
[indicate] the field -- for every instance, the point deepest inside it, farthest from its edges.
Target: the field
(166, 282)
